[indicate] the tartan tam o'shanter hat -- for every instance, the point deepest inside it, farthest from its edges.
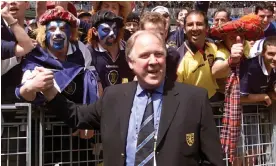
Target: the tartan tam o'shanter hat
(57, 14)
(250, 26)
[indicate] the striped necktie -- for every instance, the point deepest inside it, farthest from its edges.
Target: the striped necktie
(145, 142)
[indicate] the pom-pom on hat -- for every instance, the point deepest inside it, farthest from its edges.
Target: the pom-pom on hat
(250, 26)
(57, 14)
(105, 16)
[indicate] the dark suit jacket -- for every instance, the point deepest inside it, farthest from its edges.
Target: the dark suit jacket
(187, 132)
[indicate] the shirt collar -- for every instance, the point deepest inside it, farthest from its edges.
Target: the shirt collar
(71, 50)
(192, 48)
(140, 90)
(100, 48)
(267, 27)
(261, 62)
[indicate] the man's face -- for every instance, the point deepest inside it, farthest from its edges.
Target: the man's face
(132, 27)
(156, 28)
(270, 56)
(266, 15)
(148, 61)
(86, 19)
(111, 6)
(57, 34)
(18, 8)
(196, 29)
(220, 18)
(181, 15)
(107, 33)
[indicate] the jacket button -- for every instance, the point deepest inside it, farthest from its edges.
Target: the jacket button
(157, 153)
(122, 154)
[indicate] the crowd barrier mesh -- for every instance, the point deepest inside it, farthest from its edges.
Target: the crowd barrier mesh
(52, 142)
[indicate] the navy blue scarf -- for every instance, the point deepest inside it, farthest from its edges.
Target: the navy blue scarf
(64, 74)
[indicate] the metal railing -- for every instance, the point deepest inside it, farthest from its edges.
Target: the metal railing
(52, 142)
(16, 134)
(257, 143)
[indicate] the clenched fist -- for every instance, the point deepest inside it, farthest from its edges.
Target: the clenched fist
(42, 80)
(237, 50)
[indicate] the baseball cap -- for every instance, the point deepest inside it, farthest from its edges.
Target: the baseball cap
(160, 9)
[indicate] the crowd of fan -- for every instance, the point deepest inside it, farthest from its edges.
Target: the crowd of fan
(86, 50)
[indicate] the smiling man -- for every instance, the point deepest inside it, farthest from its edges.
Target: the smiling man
(265, 11)
(198, 55)
(221, 16)
(151, 121)
(60, 51)
(258, 75)
(107, 48)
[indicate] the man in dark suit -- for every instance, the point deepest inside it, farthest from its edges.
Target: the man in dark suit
(149, 122)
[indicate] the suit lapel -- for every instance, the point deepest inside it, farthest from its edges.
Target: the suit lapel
(169, 108)
(126, 103)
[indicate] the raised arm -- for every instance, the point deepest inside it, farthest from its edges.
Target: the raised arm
(24, 43)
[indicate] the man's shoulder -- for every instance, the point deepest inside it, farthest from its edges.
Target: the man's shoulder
(211, 46)
(273, 25)
(271, 30)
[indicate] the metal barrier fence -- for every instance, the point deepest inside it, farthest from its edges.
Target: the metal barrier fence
(256, 144)
(59, 147)
(52, 142)
(16, 134)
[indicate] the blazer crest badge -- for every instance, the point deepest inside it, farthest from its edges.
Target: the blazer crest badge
(190, 138)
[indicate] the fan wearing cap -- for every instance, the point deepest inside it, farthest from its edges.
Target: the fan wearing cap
(233, 45)
(61, 51)
(132, 22)
(197, 55)
(85, 17)
(166, 14)
(108, 49)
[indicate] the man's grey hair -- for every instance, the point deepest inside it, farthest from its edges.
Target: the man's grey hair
(131, 41)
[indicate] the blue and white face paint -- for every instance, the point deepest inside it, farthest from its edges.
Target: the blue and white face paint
(107, 33)
(57, 34)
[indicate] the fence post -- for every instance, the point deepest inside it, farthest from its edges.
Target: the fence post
(273, 134)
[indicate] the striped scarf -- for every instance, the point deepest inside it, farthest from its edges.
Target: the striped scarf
(232, 114)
